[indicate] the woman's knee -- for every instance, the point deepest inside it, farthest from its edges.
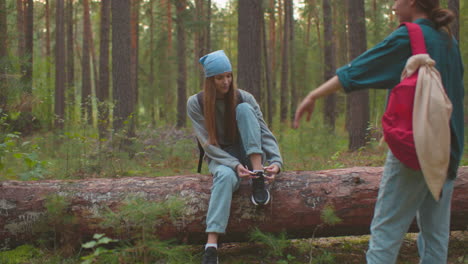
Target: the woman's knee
(225, 174)
(244, 109)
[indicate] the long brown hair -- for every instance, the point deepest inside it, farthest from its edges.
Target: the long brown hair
(209, 111)
(440, 16)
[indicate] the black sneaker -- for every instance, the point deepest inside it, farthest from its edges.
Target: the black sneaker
(260, 195)
(210, 256)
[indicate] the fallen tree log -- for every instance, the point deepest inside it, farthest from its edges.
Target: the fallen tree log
(298, 200)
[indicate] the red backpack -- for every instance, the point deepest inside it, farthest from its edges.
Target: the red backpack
(397, 120)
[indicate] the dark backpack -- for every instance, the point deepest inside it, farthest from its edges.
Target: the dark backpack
(200, 148)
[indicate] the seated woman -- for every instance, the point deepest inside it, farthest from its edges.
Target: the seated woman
(237, 142)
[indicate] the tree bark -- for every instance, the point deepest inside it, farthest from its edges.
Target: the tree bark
(357, 120)
(268, 75)
(165, 84)
(48, 55)
(86, 107)
(121, 53)
(28, 45)
(3, 55)
(208, 25)
(181, 65)
(47, 35)
(151, 82)
(202, 42)
(271, 62)
(298, 200)
(292, 62)
(250, 50)
(285, 63)
(329, 107)
(135, 19)
(59, 107)
(20, 27)
(102, 90)
(169, 24)
(70, 95)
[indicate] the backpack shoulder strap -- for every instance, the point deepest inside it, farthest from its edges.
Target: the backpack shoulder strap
(200, 158)
(416, 36)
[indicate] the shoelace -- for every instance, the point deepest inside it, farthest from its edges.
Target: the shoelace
(258, 183)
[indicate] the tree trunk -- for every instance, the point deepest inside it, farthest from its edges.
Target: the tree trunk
(201, 43)
(28, 46)
(165, 81)
(181, 65)
(342, 33)
(169, 25)
(102, 91)
(268, 75)
(48, 66)
(60, 64)
(153, 99)
(70, 95)
(250, 49)
(20, 27)
(292, 59)
(299, 197)
(454, 5)
(285, 63)
(47, 35)
(358, 102)
(134, 56)
(121, 53)
(329, 107)
(86, 107)
(208, 25)
(271, 63)
(3, 55)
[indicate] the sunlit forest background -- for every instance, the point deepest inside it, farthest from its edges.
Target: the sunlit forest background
(99, 88)
(97, 78)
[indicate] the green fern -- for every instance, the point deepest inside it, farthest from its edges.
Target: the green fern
(276, 244)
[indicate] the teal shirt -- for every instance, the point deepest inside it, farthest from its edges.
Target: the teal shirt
(380, 67)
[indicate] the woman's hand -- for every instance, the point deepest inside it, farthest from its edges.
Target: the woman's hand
(271, 171)
(242, 171)
(307, 106)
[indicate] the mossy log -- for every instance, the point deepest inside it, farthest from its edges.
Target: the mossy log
(299, 197)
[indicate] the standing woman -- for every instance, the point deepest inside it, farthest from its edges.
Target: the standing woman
(230, 127)
(403, 192)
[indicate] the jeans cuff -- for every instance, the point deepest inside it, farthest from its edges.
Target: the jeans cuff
(253, 151)
(218, 230)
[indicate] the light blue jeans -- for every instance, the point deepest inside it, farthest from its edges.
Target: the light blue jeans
(403, 194)
(225, 179)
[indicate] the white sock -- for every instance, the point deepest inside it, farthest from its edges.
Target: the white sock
(211, 245)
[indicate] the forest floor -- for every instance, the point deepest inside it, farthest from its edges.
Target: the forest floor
(342, 250)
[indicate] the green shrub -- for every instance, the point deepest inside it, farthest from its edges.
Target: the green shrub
(20, 255)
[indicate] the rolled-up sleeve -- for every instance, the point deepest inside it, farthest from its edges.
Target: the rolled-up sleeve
(379, 67)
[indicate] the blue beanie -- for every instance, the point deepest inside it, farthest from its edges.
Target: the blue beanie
(215, 63)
